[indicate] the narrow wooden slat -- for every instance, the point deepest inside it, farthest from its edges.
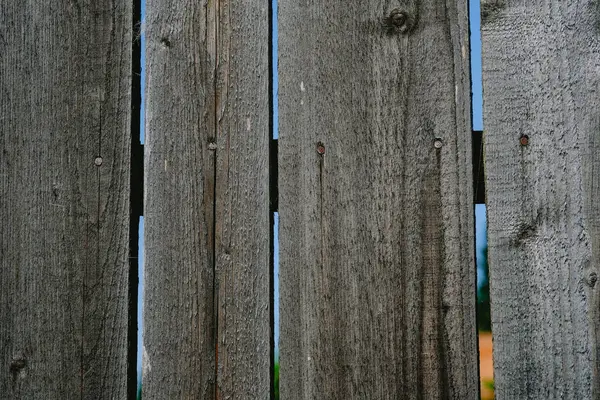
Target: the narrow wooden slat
(65, 100)
(179, 336)
(540, 71)
(242, 201)
(377, 272)
(207, 201)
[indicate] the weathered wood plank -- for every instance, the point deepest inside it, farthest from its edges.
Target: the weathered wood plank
(377, 270)
(207, 201)
(540, 71)
(65, 100)
(242, 201)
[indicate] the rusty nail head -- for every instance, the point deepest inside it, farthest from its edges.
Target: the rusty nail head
(437, 143)
(524, 140)
(320, 148)
(98, 161)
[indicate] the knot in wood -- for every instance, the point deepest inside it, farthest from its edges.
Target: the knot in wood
(593, 279)
(17, 364)
(490, 10)
(399, 21)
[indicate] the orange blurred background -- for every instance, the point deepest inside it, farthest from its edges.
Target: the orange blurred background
(486, 366)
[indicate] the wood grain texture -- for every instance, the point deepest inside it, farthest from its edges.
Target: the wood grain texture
(540, 71)
(207, 306)
(377, 273)
(65, 99)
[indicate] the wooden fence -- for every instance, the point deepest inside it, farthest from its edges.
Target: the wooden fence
(375, 194)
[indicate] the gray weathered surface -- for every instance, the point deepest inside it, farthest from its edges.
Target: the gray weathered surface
(377, 262)
(207, 278)
(541, 76)
(65, 90)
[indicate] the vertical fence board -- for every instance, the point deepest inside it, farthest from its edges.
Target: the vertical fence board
(242, 201)
(207, 201)
(65, 99)
(377, 269)
(540, 71)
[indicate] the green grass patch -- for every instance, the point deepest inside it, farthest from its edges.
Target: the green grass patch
(276, 380)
